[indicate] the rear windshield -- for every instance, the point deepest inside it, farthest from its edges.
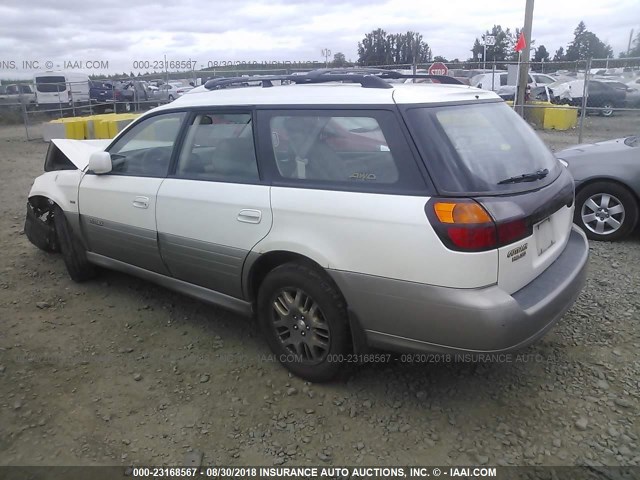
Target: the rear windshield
(50, 84)
(469, 149)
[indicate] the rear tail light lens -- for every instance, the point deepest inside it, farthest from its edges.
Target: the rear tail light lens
(473, 239)
(465, 225)
(461, 212)
(509, 232)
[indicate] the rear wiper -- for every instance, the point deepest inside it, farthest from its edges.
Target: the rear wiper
(526, 177)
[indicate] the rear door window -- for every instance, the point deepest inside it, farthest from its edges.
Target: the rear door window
(471, 148)
(219, 147)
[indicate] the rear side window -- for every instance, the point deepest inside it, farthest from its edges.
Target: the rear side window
(471, 148)
(332, 148)
(359, 150)
(51, 84)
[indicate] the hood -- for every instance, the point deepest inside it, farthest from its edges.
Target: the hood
(78, 151)
(594, 149)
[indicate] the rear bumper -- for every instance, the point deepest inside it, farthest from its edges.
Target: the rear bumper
(406, 316)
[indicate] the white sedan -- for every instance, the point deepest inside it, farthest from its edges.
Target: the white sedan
(170, 91)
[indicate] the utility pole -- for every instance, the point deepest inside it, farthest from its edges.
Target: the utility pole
(523, 74)
(326, 53)
(414, 48)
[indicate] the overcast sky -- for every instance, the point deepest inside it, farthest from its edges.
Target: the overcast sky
(122, 32)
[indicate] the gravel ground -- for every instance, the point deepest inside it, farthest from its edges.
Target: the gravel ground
(119, 371)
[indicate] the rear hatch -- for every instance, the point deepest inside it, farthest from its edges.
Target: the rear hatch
(499, 186)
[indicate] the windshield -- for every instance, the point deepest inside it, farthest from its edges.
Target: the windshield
(470, 149)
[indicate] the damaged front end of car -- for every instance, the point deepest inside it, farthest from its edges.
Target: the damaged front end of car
(39, 227)
(57, 187)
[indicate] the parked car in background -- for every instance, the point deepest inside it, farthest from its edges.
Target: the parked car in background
(498, 82)
(101, 94)
(633, 93)
(541, 79)
(18, 93)
(601, 97)
(133, 92)
(463, 75)
(491, 81)
(607, 179)
(119, 96)
(168, 92)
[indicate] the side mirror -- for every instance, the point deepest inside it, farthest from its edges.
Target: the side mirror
(99, 163)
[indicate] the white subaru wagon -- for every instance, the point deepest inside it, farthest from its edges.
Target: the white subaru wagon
(343, 215)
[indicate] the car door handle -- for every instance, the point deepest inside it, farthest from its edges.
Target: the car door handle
(250, 216)
(141, 202)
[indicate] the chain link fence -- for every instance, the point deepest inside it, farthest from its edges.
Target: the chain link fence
(567, 102)
(587, 100)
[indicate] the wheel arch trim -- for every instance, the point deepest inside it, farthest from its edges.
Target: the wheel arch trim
(591, 180)
(258, 264)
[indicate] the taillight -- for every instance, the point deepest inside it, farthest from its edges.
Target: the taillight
(473, 238)
(465, 225)
(509, 232)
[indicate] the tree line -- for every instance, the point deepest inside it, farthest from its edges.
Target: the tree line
(381, 48)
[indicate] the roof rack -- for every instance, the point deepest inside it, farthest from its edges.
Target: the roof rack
(366, 77)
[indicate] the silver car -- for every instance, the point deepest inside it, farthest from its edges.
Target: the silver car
(607, 179)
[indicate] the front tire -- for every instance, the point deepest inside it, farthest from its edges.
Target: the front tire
(304, 319)
(73, 252)
(606, 211)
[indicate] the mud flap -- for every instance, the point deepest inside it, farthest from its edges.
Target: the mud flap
(358, 335)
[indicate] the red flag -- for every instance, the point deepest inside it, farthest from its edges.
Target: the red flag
(522, 43)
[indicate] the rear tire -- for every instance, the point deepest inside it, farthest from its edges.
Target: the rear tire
(606, 211)
(607, 110)
(304, 319)
(73, 252)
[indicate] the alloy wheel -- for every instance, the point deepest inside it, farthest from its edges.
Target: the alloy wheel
(607, 110)
(603, 213)
(300, 325)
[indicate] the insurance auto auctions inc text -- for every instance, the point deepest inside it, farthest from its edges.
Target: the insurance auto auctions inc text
(367, 472)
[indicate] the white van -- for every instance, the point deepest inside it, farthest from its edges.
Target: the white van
(61, 88)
